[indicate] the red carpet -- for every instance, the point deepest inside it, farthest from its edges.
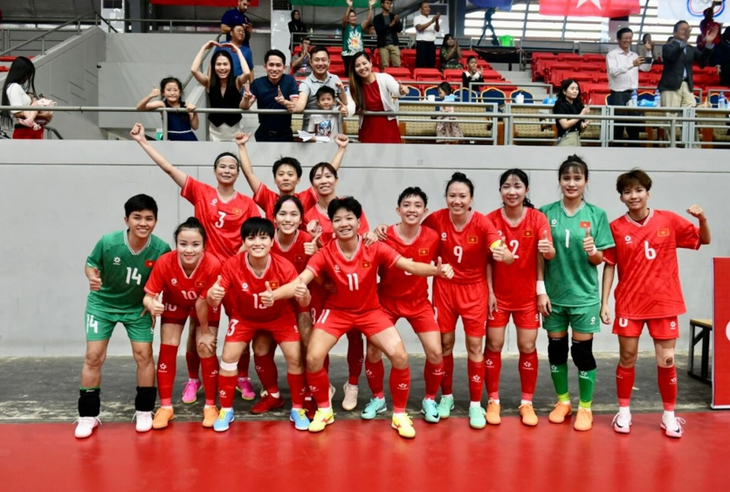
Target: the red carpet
(356, 455)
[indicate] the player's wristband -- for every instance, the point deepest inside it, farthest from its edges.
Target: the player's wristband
(593, 251)
(541, 288)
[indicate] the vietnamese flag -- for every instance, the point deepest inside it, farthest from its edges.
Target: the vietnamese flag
(590, 8)
(205, 3)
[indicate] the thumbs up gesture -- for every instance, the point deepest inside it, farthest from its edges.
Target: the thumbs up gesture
(95, 280)
(544, 245)
(401, 89)
(444, 271)
(267, 296)
(216, 292)
(153, 306)
(499, 251)
(311, 247)
(589, 246)
(301, 292)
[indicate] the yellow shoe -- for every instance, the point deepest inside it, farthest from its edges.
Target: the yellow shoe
(403, 424)
(493, 411)
(583, 420)
(321, 420)
(210, 415)
(162, 418)
(528, 414)
(561, 410)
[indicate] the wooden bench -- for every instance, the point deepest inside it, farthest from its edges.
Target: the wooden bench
(705, 326)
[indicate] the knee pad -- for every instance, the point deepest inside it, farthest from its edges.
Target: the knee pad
(558, 351)
(582, 353)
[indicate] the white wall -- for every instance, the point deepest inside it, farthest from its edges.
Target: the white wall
(58, 198)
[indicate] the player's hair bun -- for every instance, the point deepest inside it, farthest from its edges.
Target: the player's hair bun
(458, 176)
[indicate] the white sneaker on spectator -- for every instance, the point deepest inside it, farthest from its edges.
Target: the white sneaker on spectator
(144, 421)
(85, 426)
(349, 402)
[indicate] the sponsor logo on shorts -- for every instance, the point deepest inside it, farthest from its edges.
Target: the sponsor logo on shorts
(663, 232)
(673, 325)
(593, 320)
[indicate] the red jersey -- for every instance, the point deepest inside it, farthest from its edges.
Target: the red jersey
(399, 284)
(169, 278)
(222, 219)
(243, 287)
(465, 249)
(266, 199)
(319, 214)
(646, 259)
(354, 280)
(515, 284)
(294, 253)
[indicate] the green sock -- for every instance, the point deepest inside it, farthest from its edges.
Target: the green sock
(560, 381)
(586, 385)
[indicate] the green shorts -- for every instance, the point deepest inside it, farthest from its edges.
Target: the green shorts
(100, 325)
(584, 319)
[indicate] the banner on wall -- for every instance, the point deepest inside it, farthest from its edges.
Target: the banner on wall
(589, 8)
(721, 333)
(692, 10)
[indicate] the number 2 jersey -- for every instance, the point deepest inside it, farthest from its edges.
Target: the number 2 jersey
(646, 259)
(123, 272)
(179, 289)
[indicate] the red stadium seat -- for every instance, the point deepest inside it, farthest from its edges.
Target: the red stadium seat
(400, 72)
(337, 69)
(570, 57)
(7, 58)
(427, 74)
(594, 58)
(453, 74)
(468, 53)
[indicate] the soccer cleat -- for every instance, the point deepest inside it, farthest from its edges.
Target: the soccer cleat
(321, 420)
(210, 415)
(190, 391)
(622, 423)
(404, 425)
(583, 420)
(267, 403)
(430, 411)
(372, 409)
(560, 412)
(674, 429)
(527, 412)
(477, 418)
(223, 422)
(446, 405)
(299, 417)
(85, 426)
(349, 402)
(245, 387)
(493, 413)
(162, 418)
(144, 421)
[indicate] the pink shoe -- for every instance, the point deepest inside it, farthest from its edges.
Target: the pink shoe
(246, 388)
(190, 391)
(622, 424)
(677, 431)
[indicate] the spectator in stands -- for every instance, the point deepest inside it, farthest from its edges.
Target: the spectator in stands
(426, 28)
(235, 17)
(301, 64)
(370, 91)
(676, 84)
(352, 33)
(296, 25)
(238, 38)
(325, 126)
(721, 58)
(622, 66)
(446, 127)
(472, 74)
(647, 49)
(707, 25)
(223, 89)
(272, 92)
(19, 90)
(320, 77)
(180, 126)
(570, 102)
(387, 26)
(450, 54)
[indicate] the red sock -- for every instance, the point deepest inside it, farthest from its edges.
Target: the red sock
(375, 373)
(400, 384)
(625, 384)
(319, 385)
(326, 364)
(667, 378)
(528, 374)
(166, 365)
(475, 370)
(272, 353)
(297, 388)
(355, 348)
(492, 370)
(244, 362)
(447, 381)
(192, 359)
(266, 369)
(432, 375)
(210, 378)
(227, 390)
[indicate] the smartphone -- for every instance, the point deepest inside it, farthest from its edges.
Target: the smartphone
(648, 60)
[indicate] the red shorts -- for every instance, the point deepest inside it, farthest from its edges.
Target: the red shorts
(466, 300)
(26, 133)
(319, 294)
(418, 313)
(177, 315)
(659, 329)
(528, 319)
(337, 323)
(284, 329)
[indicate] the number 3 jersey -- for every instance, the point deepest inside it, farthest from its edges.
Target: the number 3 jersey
(123, 272)
(646, 259)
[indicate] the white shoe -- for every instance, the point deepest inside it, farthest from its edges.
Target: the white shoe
(622, 423)
(144, 421)
(332, 394)
(673, 427)
(86, 426)
(350, 401)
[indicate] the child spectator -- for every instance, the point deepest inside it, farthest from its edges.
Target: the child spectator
(180, 126)
(324, 126)
(446, 127)
(450, 54)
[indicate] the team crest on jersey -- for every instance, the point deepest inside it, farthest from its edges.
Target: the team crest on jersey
(423, 252)
(472, 239)
(117, 260)
(443, 236)
(663, 232)
(200, 283)
(237, 211)
(585, 224)
(365, 264)
(214, 202)
(527, 234)
(149, 263)
(173, 281)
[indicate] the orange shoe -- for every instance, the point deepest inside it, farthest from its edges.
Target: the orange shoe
(493, 411)
(162, 418)
(561, 410)
(527, 412)
(583, 420)
(210, 415)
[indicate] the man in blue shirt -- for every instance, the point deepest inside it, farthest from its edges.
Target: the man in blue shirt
(272, 92)
(238, 37)
(234, 17)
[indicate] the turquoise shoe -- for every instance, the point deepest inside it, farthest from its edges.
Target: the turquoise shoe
(372, 409)
(477, 418)
(446, 405)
